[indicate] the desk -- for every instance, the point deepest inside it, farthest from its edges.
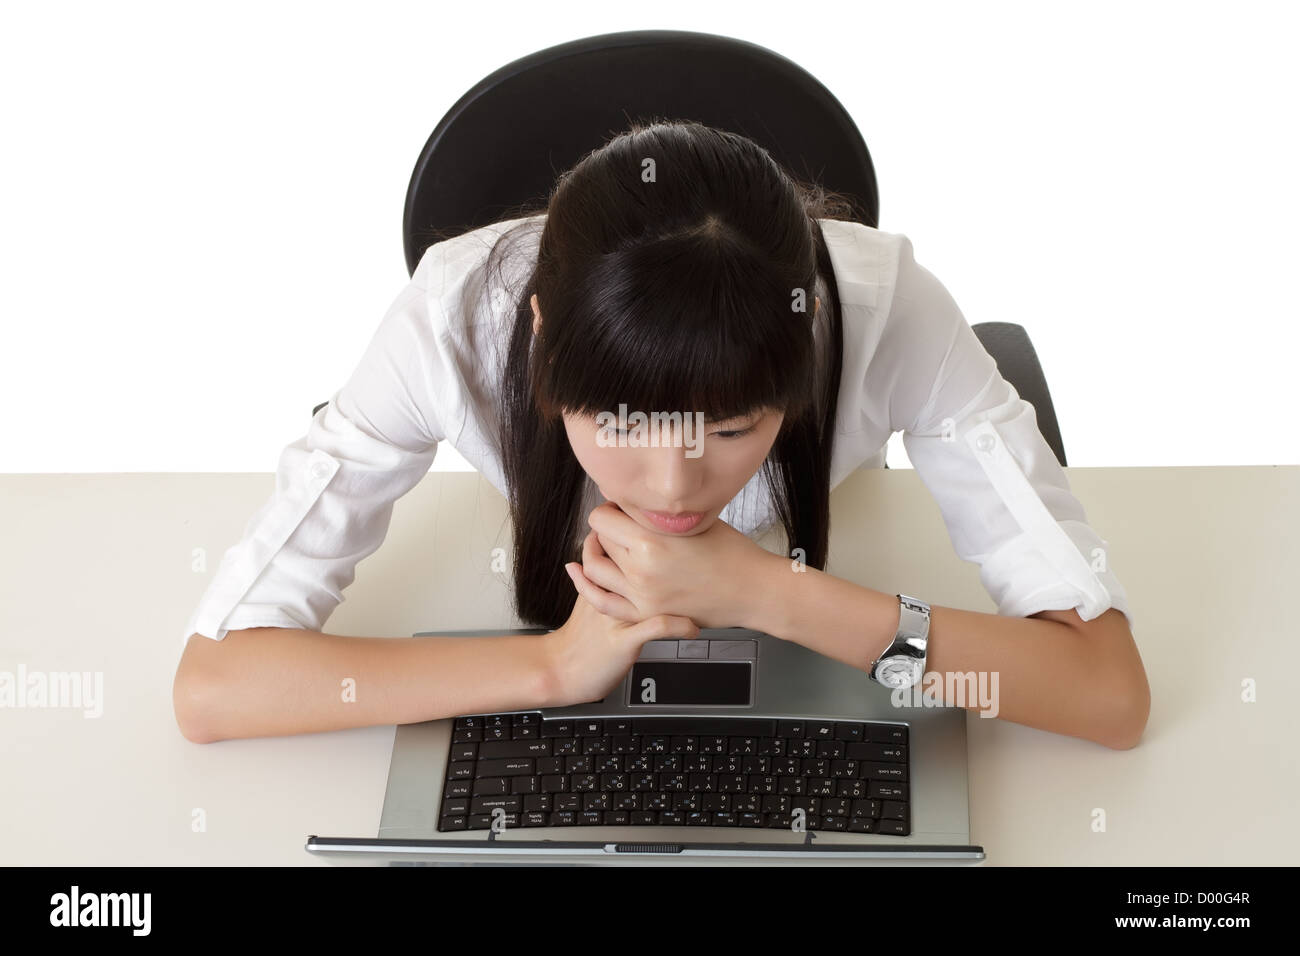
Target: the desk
(99, 575)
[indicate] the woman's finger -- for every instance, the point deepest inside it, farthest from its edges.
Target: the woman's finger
(611, 605)
(616, 528)
(600, 568)
(664, 625)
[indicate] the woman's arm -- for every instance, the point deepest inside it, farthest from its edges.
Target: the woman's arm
(272, 681)
(1054, 671)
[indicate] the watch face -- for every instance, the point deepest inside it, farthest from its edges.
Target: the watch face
(900, 672)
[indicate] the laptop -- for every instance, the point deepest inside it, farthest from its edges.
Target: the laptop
(732, 747)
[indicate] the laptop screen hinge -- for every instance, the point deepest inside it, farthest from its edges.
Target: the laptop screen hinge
(643, 848)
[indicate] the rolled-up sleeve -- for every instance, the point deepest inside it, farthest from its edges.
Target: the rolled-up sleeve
(975, 444)
(335, 487)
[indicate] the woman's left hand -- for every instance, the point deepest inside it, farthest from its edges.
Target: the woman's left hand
(632, 573)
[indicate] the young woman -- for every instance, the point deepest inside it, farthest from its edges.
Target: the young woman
(676, 269)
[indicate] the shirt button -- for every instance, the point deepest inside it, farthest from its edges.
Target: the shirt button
(320, 470)
(985, 443)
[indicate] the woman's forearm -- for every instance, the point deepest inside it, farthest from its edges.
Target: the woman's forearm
(1048, 674)
(272, 681)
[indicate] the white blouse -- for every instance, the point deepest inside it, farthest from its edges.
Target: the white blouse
(911, 364)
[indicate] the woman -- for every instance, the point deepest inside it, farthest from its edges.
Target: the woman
(677, 269)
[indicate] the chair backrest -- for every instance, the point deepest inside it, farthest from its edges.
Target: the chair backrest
(1018, 363)
(502, 145)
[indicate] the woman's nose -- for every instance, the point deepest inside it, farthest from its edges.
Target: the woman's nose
(673, 478)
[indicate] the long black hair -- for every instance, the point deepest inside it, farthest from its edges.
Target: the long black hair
(669, 273)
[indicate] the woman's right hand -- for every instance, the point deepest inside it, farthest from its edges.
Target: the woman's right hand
(592, 652)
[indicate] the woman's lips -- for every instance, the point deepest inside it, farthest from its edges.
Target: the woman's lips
(674, 524)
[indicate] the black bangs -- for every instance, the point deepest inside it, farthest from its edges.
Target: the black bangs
(690, 325)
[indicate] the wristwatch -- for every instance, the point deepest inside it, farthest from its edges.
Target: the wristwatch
(903, 662)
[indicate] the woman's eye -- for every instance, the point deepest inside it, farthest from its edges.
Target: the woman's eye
(735, 434)
(612, 430)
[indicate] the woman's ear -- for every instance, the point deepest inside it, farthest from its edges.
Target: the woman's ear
(537, 315)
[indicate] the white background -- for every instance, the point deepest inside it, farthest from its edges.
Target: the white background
(201, 203)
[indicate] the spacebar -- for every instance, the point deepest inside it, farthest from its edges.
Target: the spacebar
(694, 726)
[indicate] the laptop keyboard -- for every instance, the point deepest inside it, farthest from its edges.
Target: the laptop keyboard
(676, 771)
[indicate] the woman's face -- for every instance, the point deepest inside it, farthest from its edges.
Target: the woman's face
(699, 473)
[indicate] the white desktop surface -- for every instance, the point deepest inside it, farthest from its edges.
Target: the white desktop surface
(97, 575)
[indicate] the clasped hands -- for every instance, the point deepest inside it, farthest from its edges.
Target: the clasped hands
(632, 573)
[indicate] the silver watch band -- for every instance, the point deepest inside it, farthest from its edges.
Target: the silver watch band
(910, 641)
(914, 619)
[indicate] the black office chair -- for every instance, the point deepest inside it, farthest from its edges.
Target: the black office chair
(500, 148)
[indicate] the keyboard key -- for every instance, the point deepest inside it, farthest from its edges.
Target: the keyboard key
(878, 752)
(510, 767)
(853, 789)
(488, 804)
(866, 808)
(836, 807)
(884, 771)
(525, 784)
(488, 786)
(884, 733)
(887, 791)
(504, 749)
(483, 821)
(820, 730)
(848, 731)
(717, 802)
(833, 749)
(893, 810)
